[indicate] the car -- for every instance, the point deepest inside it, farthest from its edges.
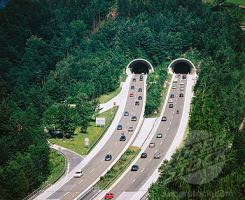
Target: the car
(159, 135)
(170, 101)
(137, 103)
(181, 83)
(174, 87)
(164, 119)
(134, 79)
(141, 78)
(140, 90)
(140, 98)
(171, 105)
(132, 87)
(122, 138)
(108, 157)
(119, 127)
(134, 118)
(181, 88)
(109, 195)
(143, 155)
(131, 95)
(175, 80)
(126, 113)
(78, 174)
(135, 168)
(181, 95)
(130, 128)
(171, 95)
(157, 155)
(152, 145)
(184, 77)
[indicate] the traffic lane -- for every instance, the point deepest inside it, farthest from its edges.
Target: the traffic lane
(95, 173)
(72, 158)
(136, 182)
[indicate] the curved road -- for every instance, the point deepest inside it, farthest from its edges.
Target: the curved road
(113, 146)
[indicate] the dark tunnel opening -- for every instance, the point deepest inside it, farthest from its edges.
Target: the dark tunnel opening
(182, 68)
(139, 68)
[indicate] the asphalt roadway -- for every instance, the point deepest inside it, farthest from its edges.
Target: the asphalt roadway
(134, 180)
(113, 146)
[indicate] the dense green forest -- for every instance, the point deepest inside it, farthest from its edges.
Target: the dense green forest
(72, 51)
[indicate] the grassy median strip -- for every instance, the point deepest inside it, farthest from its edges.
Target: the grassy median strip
(76, 142)
(119, 167)
(107, 97)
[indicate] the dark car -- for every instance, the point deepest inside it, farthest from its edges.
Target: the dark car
(141, 78)
(181, 95)
(135, 168)
(184, 76)
(126, 113)
(134, 118)
(164, 118)
(119, 127)
(143, 155)
(134, 79)
(137, 103)
(140, 90)
(123, 138)
(132, 87)
(140, 98)
(172, 96)
(108, 157)
(171, 105)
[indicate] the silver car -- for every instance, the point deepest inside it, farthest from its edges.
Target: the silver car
(78, 174)
(130, 128)
(170, 101)
(182, 88)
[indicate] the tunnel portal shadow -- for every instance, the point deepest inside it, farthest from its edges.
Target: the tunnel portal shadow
(182, 68)
(140, 68)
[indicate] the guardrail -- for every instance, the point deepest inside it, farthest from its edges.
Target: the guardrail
(114, 112)
(36, 192)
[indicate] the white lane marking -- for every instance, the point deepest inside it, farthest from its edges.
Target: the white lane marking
(142, 169)
(160, 142)
(116, 143)
(167, 129)
(133, 108)
(128, 123)
(92, 170)
(170, 122)
(66, 193)
(110, 151)
(172, 116)
(150, 160)
(165, 135)
(101, 161)
(173, 111)
(80, 181)
(176, 99)
(133, 181)
(155, 151)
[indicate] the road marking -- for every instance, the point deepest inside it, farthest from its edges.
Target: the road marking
(101, 161)
(165, 135)
(133, 108)
(172, 116)
(167, 129)
(155, 151)
(133, 180)
(92, 171)
(150, 160)
(80, 181)
(142, 169)
(66, 193)
(116, 143)
(160, 142)
(173, 111)
(110, 151)
(128, 123)
(170, 122)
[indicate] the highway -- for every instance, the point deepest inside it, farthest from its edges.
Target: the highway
(98, 165)
(133, 180)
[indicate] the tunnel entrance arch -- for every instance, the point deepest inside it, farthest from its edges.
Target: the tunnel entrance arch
(181, 66)
(139, 66)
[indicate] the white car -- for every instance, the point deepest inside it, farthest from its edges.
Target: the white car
(174, 87)
(181, 83)
(78, 174)
(170, 101)
(181, 88)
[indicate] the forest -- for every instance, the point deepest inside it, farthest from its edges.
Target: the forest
(61, 52)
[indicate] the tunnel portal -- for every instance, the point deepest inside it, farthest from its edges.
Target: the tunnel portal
(139, 66)
(181, 66)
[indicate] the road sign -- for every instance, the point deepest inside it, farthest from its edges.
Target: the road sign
(100, 121)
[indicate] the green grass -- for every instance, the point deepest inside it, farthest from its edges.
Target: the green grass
(238, 2)
(107, 97)
(76, 141)
(104, 180)
(58, 163)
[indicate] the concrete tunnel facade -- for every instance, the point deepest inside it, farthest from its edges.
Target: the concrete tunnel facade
(181, 66)
(138, 66)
